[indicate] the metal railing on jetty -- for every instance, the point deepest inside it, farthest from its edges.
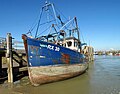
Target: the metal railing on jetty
(2, 42)
(16, 45)
(13, 51)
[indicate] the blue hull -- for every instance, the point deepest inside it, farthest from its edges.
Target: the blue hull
(41, 53)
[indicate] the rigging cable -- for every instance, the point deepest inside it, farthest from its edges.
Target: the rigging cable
(38, 23)
(82, 36)
(61, 13)
(44, 30)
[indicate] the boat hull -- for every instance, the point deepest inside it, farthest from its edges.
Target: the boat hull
(48, 62)
(46, 74)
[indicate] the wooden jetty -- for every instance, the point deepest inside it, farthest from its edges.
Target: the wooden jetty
(89, 53)
(12, 56)
(2, 54)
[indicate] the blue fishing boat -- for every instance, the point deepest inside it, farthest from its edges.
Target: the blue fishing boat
(56, 55)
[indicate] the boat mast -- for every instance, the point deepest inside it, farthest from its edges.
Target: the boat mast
(54, 12)
(46, 7)
(77, 28)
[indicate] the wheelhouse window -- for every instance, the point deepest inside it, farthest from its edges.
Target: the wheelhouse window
(69, 43)
(75, 44)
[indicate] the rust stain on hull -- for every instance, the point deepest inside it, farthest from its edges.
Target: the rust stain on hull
(65, 58)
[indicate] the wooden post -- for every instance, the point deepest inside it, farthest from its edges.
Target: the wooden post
(9, 58)
(0, 64)
(20, 58)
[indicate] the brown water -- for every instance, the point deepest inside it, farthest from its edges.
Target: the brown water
(103, 77)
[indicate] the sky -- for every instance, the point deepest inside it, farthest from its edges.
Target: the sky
(98, 20)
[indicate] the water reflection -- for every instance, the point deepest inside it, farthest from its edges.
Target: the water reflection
(103, 77)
